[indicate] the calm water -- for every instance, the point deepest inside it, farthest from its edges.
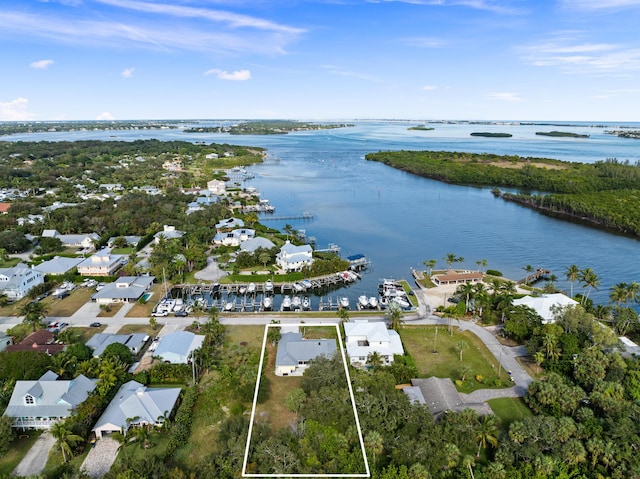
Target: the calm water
(398, 220)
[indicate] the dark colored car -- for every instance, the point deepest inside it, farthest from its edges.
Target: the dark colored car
(95, 325)
(181, 313)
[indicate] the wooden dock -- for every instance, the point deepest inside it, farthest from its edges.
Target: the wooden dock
(537, 275)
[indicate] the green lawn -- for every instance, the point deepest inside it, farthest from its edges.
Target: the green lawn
(137, 328)
(509, 410)
(445, 363)
(19, 447)
(69, 305)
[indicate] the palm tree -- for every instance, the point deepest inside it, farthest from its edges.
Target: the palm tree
(142, 434)
(528, 269)
(394, 315)
(619, 293)
(633, 289)
(487, 432)
(374, 442)
(482, 263)
(589, 280)
(65, 439)
(451, 258)
(572, 273)
(460, 347)
(34, 313)
(430, 264)
(374, 359)
(343, 314)
(466, 290)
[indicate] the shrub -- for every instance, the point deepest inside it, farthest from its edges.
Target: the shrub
(459, 383)
(479, 378)
(494, 272)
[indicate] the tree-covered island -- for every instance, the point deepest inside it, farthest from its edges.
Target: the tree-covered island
(272, 127)
(17, 127)
(561, 134)
(605, 194)
(489, 134)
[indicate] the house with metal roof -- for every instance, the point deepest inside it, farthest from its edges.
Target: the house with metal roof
(295, 352)
(41, 403)
(16, 281)
(253, 244)
(177, 347)
(103, 263)
(135, 405)
(294, 258)
(58, 265)
(364, 338)
(168, 233)
(230, 223)
(126, 289)
(543, 305)
(99, 342)
(234, 237)
(82, 240)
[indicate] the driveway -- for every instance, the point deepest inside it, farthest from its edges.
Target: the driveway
(34, 461)
(100, 457)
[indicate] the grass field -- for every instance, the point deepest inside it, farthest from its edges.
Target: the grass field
(137, 328)
(69, 305)
(419, 343)
(111, 311)
(86, 333)
(19, 447)
(509, 410)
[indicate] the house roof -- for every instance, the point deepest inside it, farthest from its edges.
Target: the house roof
(542, 304)
(253, 244)
(41, 341)
(58, 265)
(53, 398)
(133, 400)
(4, 207)
(176, 347)
(452, 275)
(291, 249)
(102, 258)
(15, 276)
(100, 341)
(385, 342)
(125, 287)
(230, 223)
(292, 349)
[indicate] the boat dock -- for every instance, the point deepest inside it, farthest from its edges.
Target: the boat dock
(539, 274)
(304, 216)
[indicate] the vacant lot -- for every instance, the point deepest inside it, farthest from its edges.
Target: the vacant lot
(509, 410)
(69, 305)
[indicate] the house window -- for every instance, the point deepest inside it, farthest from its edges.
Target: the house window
(29, 399)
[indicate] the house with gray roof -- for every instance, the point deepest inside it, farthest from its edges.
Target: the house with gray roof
(364, 338)
(126, 289)
(82, 240)
(58, 265)
(16, 281)
(168, 233)
(99, 342)
(41, 403)
(545, 304)
(253, 244)
(234, 237)
(230, 223)
(133, 400)
(131, 240)
(295, 352)
(102, 263)
(294, 258)
(177, 347)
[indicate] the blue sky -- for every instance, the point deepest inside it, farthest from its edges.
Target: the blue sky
(320, 59)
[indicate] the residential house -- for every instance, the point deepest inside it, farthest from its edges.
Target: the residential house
(135, 404)
(58, 265)
(168, 232)
(126, 289)
(30, 219)
(364, 338)
(544, 304)
(99, 342)
(130, 240)
(111, 186)
(230, 223)
(177, 347)
(252, 244)
(4, 208)
(83, 240)
(42, 341)
(201, 202)
(42, 403)
(457, 277)
(234, 238)
(294, 258)
(102, 263)
(295, 352)
(16, 281)
(217, 187)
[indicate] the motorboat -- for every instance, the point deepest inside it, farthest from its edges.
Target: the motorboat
(306, 283)
(242, 289)
(268, 286)
(229, 305)
(286, 303)
(363, 301)
(296, 303)
(403, 303)
(373, 302)
(306, 303)
(344, 302)
(251, 288)
(267, 303)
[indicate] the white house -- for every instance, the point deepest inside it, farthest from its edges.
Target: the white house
(103, 263)
(364, 338)
(16, 281)
(230, 223)
(294, 258)
(542, 305)
(83, 240)
(294, 353)
(126, 289)
(217, 187)
(42, 403)
(168, 232)
(99, 342)
(58, 265)
(133, 400)
(235, 237)
(177, 347)
(252, 244)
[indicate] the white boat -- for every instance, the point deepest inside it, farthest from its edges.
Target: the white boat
(306, 283)
(268, 286)
(229, 305)
(298, 287)
(344, 302)
(267, 303)
(242, 289)
(251, 288)
(373, 302)
(286, 303)
(306, 303)
(179, 305)
(401, 301)
(363, 301)
(296, 303)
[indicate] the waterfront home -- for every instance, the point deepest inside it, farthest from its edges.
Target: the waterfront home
(82, 240)
(58, 265)
(457, 277)
(253, 244)
(217, 187)
(201, 202)
(543, 305)
(234, 238)
(16, 281)
(136, 405)
(126, 289)
(364, 338)
(230, 223)
(177, 347)
(168, 232)
(42, 403)
(294, 258)
(42, 341)
(102, 263)
(294, 353)
(99, 342)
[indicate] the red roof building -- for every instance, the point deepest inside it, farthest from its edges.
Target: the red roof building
(42, 341)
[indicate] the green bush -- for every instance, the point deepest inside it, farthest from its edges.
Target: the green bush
(494, 272)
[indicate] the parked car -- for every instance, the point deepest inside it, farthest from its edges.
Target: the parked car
(95, 324)
(182, 313)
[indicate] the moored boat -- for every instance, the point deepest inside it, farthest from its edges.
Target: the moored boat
(306, 303)
(296, 302)
(286, 303)
(363, 301)
(373, 302)
(251, 288)
(344, 302)
(268, 286)
(267, 303)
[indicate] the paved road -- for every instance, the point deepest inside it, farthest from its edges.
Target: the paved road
(35, 459)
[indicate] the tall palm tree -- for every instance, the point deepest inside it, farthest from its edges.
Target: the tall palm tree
(487, 432)
(65, 439)
(619, 293)
(394, 315)
(34, 313)
(589, 280)
(633, 289)
(466, 290)
(374, 443)
(430, 264)
(451, 258)
(482, 263)
(572, 273)
(528, 269)
(374, 359)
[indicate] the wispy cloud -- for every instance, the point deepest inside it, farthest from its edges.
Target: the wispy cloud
(127, 72)
(504, 96)
(424, 42)
(600, 4)
(502, 7)
(429, 87)
(238, 75)
(15, 110)
(41, 64)
(105, 115)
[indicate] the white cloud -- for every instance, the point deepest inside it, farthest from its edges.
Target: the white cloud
(105, 115)
(42, 64)
(15, 110)
(504, 96)
(238, 75)
(429, 87)
(424, 42)
(601, 4)
(495, 6)
(127, 73)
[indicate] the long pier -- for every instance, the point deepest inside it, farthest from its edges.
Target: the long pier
(304, 216)
(540, 273)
